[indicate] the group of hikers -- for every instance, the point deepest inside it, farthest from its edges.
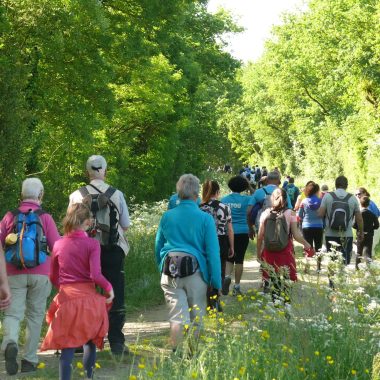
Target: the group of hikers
(201, 242)
(90, 253)
(200, 246)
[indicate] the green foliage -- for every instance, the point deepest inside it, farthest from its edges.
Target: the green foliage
(138, 81)
(310, 104)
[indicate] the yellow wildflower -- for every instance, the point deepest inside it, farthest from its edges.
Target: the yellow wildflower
(97, 365)
(194, 375)
(81, 373)
(222, 303)
(240, 317)
(132, 377)
(41, 365)
(141, 365)
(186, 327)
(316, 353)
(265, 335)
(242, 371)
(301, 369)
(328, 357)
(239, 298)
(353, 371)
(79, 365)
(284, 364)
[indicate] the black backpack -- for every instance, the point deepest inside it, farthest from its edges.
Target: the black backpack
(105, 214)
(339, 216)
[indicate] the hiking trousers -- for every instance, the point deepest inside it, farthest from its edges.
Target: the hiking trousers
(29, 295)
(112, 264)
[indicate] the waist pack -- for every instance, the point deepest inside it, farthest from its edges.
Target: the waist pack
(27, 247)
(180, 266)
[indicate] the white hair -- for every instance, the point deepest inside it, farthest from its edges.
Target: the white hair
(187, 186)
(32, 188)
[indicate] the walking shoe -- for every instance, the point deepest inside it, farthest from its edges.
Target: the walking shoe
(27, 366)
(226, 285)
(236, 291)
(10, 355)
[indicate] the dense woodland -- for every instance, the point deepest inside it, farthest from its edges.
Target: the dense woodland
(143, 82)
(148, 84)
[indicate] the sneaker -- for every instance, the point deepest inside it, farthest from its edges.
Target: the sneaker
(10, 355)
(27, 366)
(226, 285)
(236, 291)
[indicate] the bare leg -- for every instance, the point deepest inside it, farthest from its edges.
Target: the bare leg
(229, 268)
(176, 334)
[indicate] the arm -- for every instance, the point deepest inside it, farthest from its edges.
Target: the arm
(298, 235)
(231, 239)
(359, 223)
(298, 203)
(54, 270)
(160, 241)
(213, 253)
(51, 231)
(375, 223)
(251, 228)
(260, 238)
(5, 293)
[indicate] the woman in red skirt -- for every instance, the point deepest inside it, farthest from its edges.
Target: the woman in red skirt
(78, 314)
(280, 263)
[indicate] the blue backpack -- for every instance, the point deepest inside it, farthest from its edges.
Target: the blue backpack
(30, 248)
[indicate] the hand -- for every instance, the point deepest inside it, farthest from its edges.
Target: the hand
(5, 296)
(110, 296)
(231, 253)
(309, 252)
(251, 233)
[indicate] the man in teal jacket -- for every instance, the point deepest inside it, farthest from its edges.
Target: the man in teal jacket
(187, 254)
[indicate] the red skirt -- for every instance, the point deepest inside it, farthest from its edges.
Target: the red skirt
(77, 315)
(281, 259)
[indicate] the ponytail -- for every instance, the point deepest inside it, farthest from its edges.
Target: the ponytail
(279, 200)
(209, 189)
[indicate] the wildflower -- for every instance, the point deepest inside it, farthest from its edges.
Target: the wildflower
(141, 365)
(329, 318)
(265, 335)
(150, 373)
(186, 327)
(221, 321)
(239, 298)
(222, 303)
(284, 364)
(132, 377)
(331, 362)
(242, 371)
(366, 370)
(254, 361)
(41, 365)
(194, 375)
(353, 372)
(328, 357)
(79, 365)
(301, 369)
(97, 365)
(316, 353)
(81, 373)
(239, 317)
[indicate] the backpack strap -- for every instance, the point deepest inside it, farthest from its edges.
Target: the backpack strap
(266, 193)
(108, 193)
(84, 191)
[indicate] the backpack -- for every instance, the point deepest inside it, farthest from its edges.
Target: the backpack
(259, 208)
(339, 216)
(29, 248)
(105, 214)
(276, 234)
(291, 192)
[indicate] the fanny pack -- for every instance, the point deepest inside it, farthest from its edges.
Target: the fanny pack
(180, 265)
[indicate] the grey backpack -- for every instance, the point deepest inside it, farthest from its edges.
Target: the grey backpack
(276, 234)
(339, 217)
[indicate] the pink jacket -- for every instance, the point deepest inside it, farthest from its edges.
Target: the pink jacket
(50, 230)
(76, 259)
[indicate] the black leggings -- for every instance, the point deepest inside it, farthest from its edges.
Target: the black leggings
(314, 236)
(241, 242)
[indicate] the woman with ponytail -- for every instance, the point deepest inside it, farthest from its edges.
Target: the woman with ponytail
(78, 314)
(223, 221)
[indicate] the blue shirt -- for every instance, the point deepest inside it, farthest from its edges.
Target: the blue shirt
(259, 195)
(308, 212)
(238, 204)
(188, 229)
(174, 201)
(373, 208)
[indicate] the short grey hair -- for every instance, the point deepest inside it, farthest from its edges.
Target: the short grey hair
(96, 167)
(187, 186)
(32, 188)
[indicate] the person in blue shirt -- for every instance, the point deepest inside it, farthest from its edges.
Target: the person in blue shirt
(174, 201)
(238, 204)
(187, 255)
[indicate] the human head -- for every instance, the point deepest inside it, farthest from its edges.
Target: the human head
(324, 188)
(362, 192)
(76, 215)
(96, 167)
(238, 184)
(311, 189)
(32, 188)
(279, 199)
(291, 179)
(188, 186)
(341, 182)
(209, 189)
(364, 201)
(273, 178)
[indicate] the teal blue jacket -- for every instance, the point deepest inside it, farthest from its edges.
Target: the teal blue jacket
(186, 228)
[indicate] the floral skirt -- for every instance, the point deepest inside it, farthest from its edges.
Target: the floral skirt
(77, 315)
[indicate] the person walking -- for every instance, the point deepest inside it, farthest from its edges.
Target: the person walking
(78, 314)
(111, 221)
(187, 255)
(30, 286)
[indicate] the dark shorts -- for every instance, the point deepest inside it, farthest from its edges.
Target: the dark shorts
(240, 247)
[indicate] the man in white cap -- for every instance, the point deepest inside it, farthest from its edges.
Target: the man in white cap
(111, 220)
